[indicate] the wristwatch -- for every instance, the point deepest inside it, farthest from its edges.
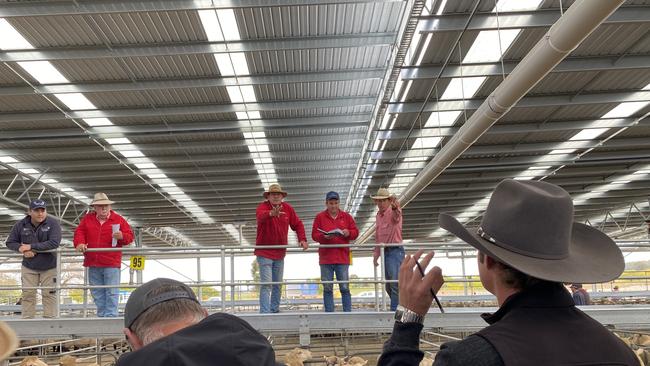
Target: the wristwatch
(404, 315)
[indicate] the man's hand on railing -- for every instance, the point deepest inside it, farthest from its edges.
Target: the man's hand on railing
(29, 254)
(24, 248)
(375, 257)
(81, 248)
(304, 245)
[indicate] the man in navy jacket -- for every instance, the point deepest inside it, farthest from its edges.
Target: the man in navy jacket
(30, 236)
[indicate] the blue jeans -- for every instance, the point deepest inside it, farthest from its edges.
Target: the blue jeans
(327, 274)
(270, 271)
(106, 299)
(393, 257)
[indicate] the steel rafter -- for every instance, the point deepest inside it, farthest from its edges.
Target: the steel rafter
(203, 82)
(543, 18)
(96, 52)
(23, 9)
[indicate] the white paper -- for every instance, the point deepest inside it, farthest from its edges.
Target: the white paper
(116, 228)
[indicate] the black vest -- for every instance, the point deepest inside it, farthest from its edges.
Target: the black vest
(542, 326)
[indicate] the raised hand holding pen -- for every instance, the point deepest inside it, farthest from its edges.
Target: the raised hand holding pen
(416, 292)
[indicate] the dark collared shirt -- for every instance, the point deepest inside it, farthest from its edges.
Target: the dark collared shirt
(45, 236)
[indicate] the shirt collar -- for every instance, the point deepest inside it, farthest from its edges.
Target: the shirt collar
(544, 294)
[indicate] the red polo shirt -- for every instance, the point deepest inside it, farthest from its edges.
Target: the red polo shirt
(325, 221)
(274, 230)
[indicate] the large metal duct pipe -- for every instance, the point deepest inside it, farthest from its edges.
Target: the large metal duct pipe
(562, 38)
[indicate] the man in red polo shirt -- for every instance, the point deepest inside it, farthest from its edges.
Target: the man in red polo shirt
(274, 217)
(334, 226)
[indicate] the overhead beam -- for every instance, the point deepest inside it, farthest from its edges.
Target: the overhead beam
(302, 43)
(341, 121)
(530, 101)
(543, 18)
(612, 63)
(520, 147)
(203, 82)
(24, 9)
(196, 109)
(410, 107)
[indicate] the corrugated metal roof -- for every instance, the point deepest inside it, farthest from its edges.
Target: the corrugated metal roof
(316, 104)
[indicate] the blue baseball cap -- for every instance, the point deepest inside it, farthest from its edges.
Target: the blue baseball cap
(331, 196)
(37, 204)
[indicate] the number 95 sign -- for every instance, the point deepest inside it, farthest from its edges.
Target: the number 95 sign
(137, 263)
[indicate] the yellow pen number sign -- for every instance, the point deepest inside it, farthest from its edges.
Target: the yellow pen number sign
(137, 262)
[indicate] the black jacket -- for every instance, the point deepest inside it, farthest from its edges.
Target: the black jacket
(219, 339)
(537, 326)
(44, 237)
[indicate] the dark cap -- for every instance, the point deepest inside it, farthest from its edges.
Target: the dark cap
(331, 196)
(37, 204)
(142, 298)
(576, 285)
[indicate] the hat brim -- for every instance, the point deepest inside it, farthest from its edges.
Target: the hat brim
(266, 194)
(8, 341)
(102, 202)
(379, 197)
(593, 256)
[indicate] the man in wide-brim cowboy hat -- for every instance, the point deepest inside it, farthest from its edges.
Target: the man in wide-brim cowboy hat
(388, 230)
(274, 217)
(528, 246)
(103, 228)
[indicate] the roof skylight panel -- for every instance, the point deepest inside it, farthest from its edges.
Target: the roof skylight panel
(235, 95)
(8, 159)
(225, 64)
(228, 24)
(98, 122)
(588, 134)
(118, 140)
(132, 153)
(461, 88)
(44, 72)
(625, 109)
(442, 119)
(516, 5)
(248, 93)
(490, 45)
(211, 25)
(11, 39)
(75, 101)
(240, 64)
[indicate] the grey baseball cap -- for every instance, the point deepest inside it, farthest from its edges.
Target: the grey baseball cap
(143, 297)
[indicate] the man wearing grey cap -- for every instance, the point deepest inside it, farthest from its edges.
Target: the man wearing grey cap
(29, 236)
(166, 325)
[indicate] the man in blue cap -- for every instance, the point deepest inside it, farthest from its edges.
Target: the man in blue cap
(30, 236)
(334, 226)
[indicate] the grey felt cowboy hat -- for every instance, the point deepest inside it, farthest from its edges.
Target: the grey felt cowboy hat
(529, 226)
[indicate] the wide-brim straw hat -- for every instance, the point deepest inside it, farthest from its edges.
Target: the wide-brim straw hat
(528, 225)
(8, 341)
(382, 194)
(274, 188)
(101, 199)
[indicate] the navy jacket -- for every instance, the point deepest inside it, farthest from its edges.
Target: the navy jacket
(219, 339)
(537, 326)
(44, 237)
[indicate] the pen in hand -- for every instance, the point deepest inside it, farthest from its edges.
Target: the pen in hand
(432, 293)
